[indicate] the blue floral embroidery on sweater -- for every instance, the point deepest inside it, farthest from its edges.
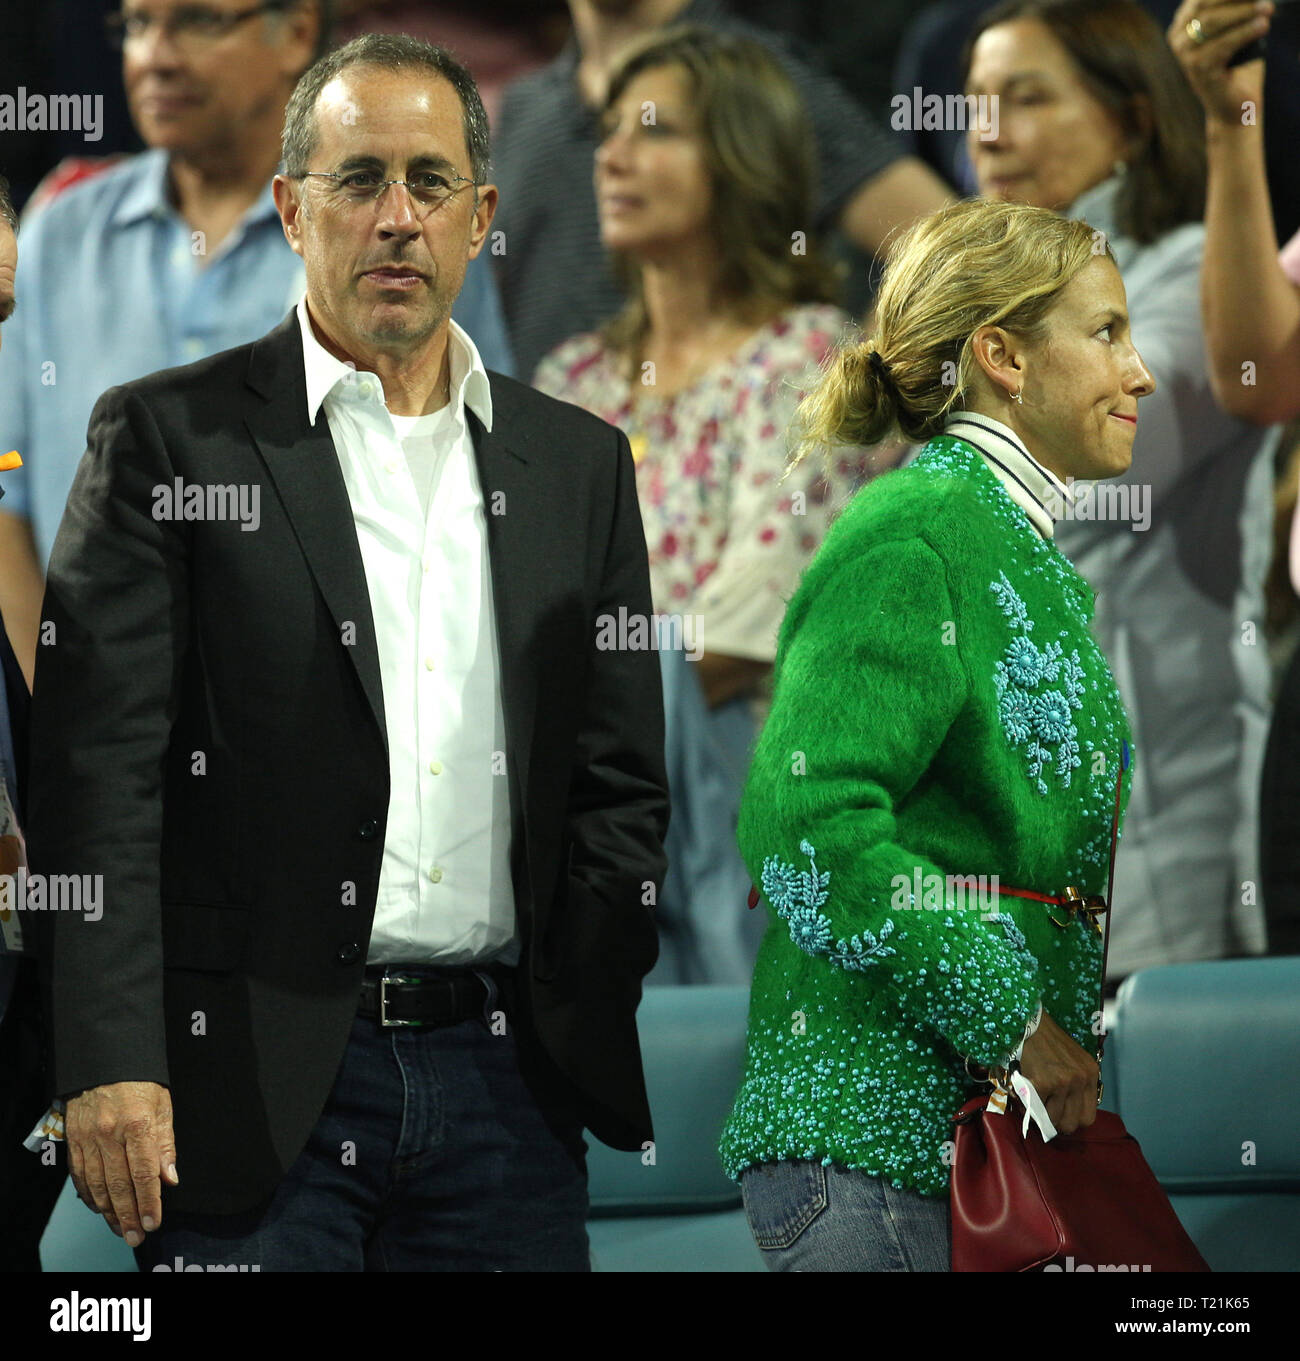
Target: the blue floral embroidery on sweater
(798, 897)
(1013, 933)
(1036, 718)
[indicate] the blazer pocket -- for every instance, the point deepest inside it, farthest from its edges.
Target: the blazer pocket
(204, 936)
(587, 933)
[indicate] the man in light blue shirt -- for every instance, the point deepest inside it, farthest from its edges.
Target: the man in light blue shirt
(165, 258)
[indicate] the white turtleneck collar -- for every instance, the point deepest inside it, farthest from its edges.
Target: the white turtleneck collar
(1039, 493)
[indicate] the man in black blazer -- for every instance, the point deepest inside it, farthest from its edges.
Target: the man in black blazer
(226, 742)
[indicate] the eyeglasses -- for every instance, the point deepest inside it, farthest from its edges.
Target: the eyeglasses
(192, 26)
(428, 190)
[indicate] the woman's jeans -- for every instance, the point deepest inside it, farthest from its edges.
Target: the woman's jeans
(807, 1217)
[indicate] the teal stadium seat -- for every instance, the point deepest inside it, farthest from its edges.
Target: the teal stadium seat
(77, 1240)
(1206, 1062)
(671, 1208)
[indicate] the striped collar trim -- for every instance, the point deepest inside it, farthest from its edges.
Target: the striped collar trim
(1037, 491)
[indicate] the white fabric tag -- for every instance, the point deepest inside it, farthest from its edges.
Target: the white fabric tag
(1034, 1108)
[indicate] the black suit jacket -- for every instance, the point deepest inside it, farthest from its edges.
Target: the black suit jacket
(209, 724)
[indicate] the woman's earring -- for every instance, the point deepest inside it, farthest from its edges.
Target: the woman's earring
(1017, 398)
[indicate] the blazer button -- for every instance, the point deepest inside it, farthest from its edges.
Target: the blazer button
(368, 830)
(349, 953)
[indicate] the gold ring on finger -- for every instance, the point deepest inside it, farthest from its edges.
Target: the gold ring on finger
(1195, 31)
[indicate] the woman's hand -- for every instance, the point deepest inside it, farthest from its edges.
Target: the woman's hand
(1227, 27)
(1063, 1073)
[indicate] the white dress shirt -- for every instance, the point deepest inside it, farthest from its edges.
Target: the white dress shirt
(1039, 493)
(445, 894)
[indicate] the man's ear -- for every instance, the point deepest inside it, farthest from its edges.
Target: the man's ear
(288, 204)
(482, 221)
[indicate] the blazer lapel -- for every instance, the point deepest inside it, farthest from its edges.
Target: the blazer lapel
(509, 506)
(302, 463)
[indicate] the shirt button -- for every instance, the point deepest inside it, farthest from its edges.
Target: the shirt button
(436, 767)
(436, 875)
(428, 663)
(427, 564)
(349, 953)
(390, 466)
(368, 830)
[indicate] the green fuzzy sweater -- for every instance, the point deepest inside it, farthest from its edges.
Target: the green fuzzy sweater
(940, 708)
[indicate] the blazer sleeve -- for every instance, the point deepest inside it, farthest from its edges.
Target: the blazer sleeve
(618, 793)
(869, 684)
(114, 624)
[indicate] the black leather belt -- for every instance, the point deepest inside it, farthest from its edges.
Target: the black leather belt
(397, 997)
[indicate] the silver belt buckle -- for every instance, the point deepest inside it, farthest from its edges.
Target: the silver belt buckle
(383, 999)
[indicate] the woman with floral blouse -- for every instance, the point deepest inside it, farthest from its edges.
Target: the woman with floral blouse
(704, 180)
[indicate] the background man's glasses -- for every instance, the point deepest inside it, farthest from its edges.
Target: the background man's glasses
(427, 190)
(191, 25)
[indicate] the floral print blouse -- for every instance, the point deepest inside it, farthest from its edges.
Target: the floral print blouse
(728, 539)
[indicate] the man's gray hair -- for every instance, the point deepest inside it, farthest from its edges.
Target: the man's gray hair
(7, 213)
(388, 52)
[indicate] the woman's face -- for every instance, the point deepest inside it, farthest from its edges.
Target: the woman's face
(652, 185)
(1054, 139)
(1081, 382)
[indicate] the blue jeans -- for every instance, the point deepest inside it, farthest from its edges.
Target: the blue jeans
(807, 1217)
(431, 1155)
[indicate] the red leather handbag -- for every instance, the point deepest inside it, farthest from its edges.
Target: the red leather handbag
(1086, 1201)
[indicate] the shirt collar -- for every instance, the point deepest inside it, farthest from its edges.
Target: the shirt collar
(150, 194)
(1037, 491)
(469, 381)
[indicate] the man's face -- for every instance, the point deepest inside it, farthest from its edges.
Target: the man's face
(193, 83)
(383, 273)
(8, 269)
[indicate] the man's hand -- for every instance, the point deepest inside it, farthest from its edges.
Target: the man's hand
(1227, 27)
(120, 1144)
(1063, 1073)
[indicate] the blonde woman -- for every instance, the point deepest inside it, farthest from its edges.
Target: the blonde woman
(941, 709)
(704, 178)
(1097, 122)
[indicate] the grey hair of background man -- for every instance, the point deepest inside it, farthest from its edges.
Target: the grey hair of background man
(387, 52)
(7, 213)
